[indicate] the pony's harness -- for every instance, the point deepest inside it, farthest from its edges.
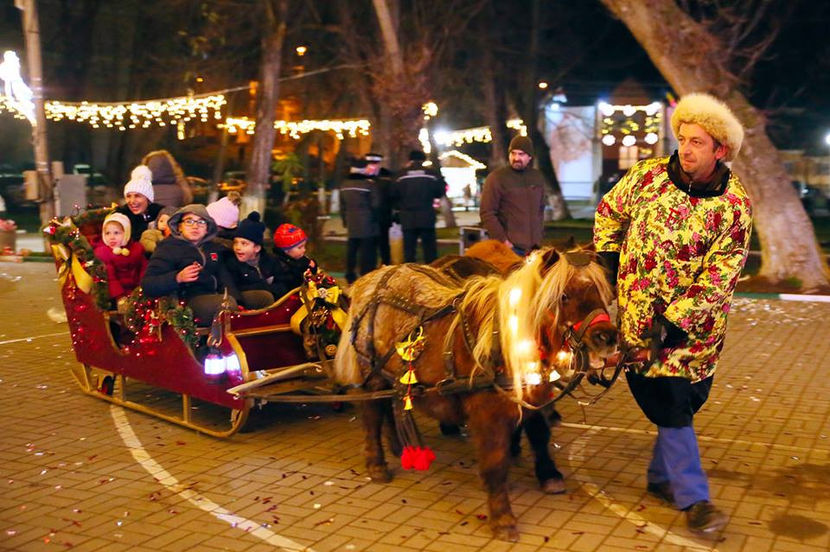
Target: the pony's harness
(423, 315)
(490, 374)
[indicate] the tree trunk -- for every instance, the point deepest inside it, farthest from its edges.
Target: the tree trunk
(390, 36)
(495, 113)
(559, 208)
(690, 59)
(272, 43)
(393, 58)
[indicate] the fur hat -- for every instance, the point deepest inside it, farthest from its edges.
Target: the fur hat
(251, 228)
(141, 182)
(122, 220)
(714, 116)
(224, 212)
(522, 143)
(288, 236)
(417, 155)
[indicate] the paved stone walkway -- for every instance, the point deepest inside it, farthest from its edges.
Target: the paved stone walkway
(80, 474)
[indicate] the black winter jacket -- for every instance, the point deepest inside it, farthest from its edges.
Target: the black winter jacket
(174, 253)
(360, 200)
(289, 272)
(413, 193)
(248, 277)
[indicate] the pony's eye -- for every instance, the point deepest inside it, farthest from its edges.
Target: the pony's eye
(565, 298)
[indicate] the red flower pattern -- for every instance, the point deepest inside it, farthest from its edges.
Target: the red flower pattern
(665, 238)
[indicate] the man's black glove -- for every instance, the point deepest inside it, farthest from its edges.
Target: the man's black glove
(611, 261)
(664, 335)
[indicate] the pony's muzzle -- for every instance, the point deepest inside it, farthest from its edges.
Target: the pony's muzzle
(602, 338)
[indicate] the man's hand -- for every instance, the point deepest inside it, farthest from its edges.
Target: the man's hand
(190, 273)
(664, 335)
(508, 243)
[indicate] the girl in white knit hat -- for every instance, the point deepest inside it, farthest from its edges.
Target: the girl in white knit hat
(123, 257)
(138, 195)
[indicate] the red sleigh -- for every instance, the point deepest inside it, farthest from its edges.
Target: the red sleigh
(145, 360)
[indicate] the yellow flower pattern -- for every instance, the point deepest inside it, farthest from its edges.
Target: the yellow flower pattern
(680, 256)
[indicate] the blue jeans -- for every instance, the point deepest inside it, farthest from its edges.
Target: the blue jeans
(676, 460)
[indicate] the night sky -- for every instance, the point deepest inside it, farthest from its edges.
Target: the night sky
(791, 83)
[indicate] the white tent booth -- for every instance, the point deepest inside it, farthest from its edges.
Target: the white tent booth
(459, 171)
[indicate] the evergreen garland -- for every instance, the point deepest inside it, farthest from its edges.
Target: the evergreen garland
(69, 235)
(145, 316)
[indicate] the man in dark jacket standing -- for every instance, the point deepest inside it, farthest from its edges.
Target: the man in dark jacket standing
(359, 203)
(414, 192)
(513, 200)
(380, 175)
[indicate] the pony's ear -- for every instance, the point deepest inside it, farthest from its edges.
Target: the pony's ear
(570, 243)
(549, 259)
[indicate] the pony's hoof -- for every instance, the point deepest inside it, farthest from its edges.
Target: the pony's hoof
(380, 474)
(507, 533)
(553, 486)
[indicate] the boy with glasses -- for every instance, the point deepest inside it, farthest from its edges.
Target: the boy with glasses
(189, 264)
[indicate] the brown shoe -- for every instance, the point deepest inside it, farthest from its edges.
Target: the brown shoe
(704, 517)
(661, 491)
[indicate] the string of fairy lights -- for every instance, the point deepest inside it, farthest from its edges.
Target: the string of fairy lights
(482, 134)
(626, 124)
(129, 115)
(295, 129)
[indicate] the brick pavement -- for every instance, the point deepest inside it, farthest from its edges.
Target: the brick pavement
(71, 477)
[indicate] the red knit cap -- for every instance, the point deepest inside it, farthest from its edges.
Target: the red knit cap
(288, 236)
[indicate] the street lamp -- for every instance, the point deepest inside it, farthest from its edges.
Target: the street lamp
(827, 138)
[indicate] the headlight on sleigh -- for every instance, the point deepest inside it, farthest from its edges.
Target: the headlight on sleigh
(217, 365)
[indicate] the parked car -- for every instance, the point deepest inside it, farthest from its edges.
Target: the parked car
(811, 198)
(11, 187)
(94, 179)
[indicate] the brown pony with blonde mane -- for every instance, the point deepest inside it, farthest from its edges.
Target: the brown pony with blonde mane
(482, 337)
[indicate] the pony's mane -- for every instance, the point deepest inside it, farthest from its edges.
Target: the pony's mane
(526, 299)
(480, 293)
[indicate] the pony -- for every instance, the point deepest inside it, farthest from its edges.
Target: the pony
(484, 258)
(479, 362)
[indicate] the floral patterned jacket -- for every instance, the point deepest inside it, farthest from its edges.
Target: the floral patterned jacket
(680, 257)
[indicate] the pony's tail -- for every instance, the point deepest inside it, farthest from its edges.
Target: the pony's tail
(346, 368)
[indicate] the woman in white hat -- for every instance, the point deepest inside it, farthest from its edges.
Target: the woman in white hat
(138, 195)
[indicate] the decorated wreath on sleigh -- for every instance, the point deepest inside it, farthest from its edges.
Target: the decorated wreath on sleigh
(322, 315)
